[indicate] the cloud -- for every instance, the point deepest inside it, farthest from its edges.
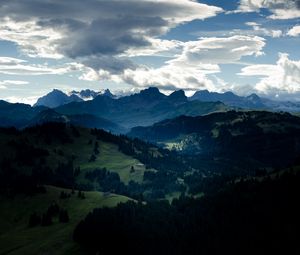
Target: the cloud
(96, 30)
(261, 31)
(189, 70)
(32, 39)
(6, 61)
(14, 66)
(294, 31)
(284, 77)
(20, 99)
(220, 50)
(280, 9)
(11, 82)
(171, 77)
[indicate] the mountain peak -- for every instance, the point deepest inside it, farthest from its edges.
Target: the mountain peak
(56, 98)
(178, 95)
(150, 91)
(253, 97)
(108, 93)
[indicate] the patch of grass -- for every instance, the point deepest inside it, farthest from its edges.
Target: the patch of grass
(17, 238)
(109, 157)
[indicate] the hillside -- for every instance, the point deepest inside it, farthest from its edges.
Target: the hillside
(86, 159)
(16, 237)
(81, 120)
(17, 115)
(56, 144)
(256, 137)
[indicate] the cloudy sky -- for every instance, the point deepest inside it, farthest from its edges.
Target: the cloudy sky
(245, 46)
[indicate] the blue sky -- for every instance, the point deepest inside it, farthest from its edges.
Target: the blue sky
(246, 46)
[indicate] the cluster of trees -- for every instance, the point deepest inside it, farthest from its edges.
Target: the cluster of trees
(95, 152)
(247, 217)
(52, 132)
(13, 182)
(155, 184)
(46, 218)
(199, 183)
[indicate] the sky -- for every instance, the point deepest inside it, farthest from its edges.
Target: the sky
(244, 46)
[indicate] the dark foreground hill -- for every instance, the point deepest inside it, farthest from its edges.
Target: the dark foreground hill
(246, 217)
(53, 174)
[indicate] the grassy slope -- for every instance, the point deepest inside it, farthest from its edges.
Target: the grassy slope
(17, 238)
(109, 156)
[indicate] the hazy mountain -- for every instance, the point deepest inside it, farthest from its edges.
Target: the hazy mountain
(83, 120)
(88, 94)
(56, 98)
(144, 108)
(254, 136)
(252, 101)
(23, 115)
(17, 115)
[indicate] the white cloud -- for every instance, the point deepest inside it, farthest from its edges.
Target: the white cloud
(189, 70)
(158, 47)
(280, 9)
(284, 77)
(10, 61)
(19, 99)
(258, 30)
(13, 82)
(97, 30)
(221, 50)
(32, 39)
(14, 66)
(171, 77)
(294, 31)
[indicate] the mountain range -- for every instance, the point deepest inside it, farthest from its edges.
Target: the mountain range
(252, 101)
(104, 110)
(144, 108)
(57, 98)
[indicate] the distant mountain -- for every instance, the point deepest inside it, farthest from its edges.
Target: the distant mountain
(56, 98)
(22, 115)
(17, 115)
(48, 115)
(83, 120)
(91, 121)
(88, 94)
(144, 108)
(257, 137)
(249, 102)
(253, 101)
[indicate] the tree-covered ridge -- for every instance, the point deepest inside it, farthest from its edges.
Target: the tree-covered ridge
(247, 139)
(70, 157)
